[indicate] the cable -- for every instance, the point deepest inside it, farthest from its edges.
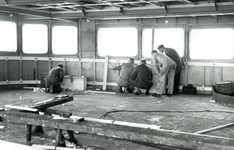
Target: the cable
(164, 111)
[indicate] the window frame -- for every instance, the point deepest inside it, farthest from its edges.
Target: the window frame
(208, 27)
(166, 27)
(48, 40)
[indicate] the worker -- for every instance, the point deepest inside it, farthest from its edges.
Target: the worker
(163, 68)
(141, 77)
(170, 52)
(124, 74)
(53, 79)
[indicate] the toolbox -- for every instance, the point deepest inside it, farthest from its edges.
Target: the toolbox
(74, 83)
(224, 87)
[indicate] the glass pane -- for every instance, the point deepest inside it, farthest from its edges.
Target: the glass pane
(117, 41)
(64, 40)
(171, 38)
(35, 38)
(8, 37)
(211, 43)
(147, 42)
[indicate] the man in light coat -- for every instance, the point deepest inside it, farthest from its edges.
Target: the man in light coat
(164, 68)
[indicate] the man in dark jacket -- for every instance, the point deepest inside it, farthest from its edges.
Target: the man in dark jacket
(124, 74)
(141, 78)
(53, 79)
(179, 65)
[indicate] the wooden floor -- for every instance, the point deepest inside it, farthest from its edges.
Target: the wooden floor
(183, 113)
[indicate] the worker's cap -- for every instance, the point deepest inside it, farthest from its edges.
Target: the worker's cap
(131, 59)
(160, 46)
(60, 65)
(143, 60)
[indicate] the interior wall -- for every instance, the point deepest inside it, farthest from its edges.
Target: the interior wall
(28, 69)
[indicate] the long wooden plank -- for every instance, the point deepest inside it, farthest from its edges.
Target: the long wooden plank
(22, 108)
(46, 147)
(153, 136)
(215, 128)
(15, 146)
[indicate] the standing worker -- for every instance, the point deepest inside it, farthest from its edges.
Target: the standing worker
(125, 72)
(141, 77)
(179, 65)
(164, 68)
(53, 79)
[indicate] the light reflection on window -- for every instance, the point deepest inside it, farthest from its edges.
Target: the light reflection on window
(117, 41)
(211, 43)
(8, 36)
(35, 38)
(64, 40)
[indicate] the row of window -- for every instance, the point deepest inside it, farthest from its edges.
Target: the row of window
(215, 43)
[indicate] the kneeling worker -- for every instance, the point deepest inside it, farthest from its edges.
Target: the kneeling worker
(53, 79)
(141, 77)
(124, 74)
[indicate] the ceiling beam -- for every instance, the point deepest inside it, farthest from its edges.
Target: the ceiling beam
(83, 11)
(21, 2)
(165, 8)
(188, 1)
(121, 11)
(215, 4)
(151, 3)
(24, 11)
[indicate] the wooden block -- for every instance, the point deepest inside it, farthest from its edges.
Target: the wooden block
(60, 99)
(224, 87)
(74, 83)
(57, 112)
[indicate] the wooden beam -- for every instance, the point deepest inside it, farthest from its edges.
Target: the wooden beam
(105, 73)
(181, 140)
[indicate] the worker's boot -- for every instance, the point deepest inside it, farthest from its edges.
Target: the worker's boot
(129, 90)
(147, 92)
(120, 89)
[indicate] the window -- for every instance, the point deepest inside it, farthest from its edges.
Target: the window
(8, 36)
(35, 38)
(211, 43)
(117, 41)
(147, 42)
(64, 40)
(169, 37)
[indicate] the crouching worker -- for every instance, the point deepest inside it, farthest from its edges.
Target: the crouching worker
(53, 79)
(141, 77)
(124, 74)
